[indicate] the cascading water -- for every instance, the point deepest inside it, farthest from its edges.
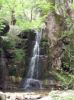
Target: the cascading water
(32, 81)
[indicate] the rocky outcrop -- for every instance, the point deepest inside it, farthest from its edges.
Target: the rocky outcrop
(12, 69)
(4, 27)
(27, 43)
(43, 66)
(54, 27)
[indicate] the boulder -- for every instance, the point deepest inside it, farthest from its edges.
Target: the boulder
(2, 96)
(30, 34)
(4, 27)
(46, 98)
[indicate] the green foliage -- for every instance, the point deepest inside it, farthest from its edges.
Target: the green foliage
(45, 6)
(1, 25)
(29, 14)
(8, 44)
(73, 5)
(19, 54)
(68, 58)
(62, 95)
(29, 25)
(65, 79)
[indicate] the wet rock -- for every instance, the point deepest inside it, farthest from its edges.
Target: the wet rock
(33, 84)
(30, 34)
(43, 66)
(32, 97)
(2, 96)
(46, 98)
(20, 96)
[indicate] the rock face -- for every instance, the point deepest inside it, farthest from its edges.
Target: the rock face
(12, 70)
(27, 43)
(53, 29)
(43, 63)
(16, 70)
(34, 84)
(4, 28)
(44, 57)
(4, 72)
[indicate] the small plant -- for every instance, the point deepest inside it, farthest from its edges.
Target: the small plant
(2, 26)
(19, 54)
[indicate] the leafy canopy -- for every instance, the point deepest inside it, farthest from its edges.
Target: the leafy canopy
(28, 13)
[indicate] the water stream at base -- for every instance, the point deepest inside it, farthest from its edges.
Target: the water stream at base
(32, 81)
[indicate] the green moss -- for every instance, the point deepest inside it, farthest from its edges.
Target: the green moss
(19, 54)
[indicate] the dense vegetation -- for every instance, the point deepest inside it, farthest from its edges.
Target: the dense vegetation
(18, 20)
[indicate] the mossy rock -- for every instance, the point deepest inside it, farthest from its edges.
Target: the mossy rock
(30, 34)
(4, 27)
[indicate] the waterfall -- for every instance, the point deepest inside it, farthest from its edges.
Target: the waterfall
(32, 76)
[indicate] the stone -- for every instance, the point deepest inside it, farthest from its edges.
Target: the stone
(43, 66)
(5, 28)
(46, 98)
(2, 96)
(27, 34)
